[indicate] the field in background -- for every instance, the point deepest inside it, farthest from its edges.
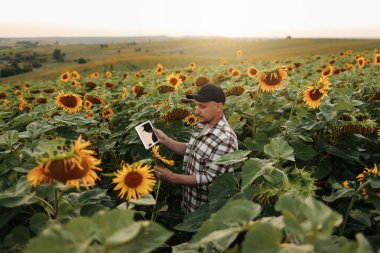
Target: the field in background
(134, 54)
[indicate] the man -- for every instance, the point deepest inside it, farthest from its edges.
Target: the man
(211, 139)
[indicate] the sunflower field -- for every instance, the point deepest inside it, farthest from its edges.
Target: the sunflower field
(76, 178)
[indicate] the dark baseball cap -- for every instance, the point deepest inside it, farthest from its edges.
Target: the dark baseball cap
(209, 92)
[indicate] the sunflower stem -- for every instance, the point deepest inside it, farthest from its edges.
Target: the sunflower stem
(47, 204)
(56, 202)
(154, 215)
(350, 207)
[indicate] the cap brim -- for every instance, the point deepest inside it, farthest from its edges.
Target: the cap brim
(197, 97)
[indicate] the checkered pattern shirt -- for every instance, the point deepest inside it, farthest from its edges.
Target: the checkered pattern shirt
(202, 149)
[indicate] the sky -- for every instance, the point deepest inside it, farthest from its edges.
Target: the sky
(234, 18)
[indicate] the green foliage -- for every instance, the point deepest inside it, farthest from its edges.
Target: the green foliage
(113, 231)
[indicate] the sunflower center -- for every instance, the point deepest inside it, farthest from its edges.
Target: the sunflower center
(66, 169)
(273, 78)
(378, 59)
(69, 101)
(173, 81)
(315, 94)
(133, 179)
(253, 71)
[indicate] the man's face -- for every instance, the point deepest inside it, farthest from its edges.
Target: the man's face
(207, 111)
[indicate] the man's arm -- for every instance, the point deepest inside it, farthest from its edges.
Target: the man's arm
(168, 175)
(176, 146)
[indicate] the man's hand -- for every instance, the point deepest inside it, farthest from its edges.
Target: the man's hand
(163, 173)
(162, 137)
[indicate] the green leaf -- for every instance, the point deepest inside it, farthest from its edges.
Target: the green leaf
(123, 235)
(235, 213)
(38, 222)
(338, 193)
(145, 200)
(302, 151)
(120, 218)
(253, 169)
(279, 148)
(150, 237)
(8, 139)
(306, 217)
(192, 221)
(262, 238)
(361, 216)
(222, 189)
(73, 237)
(233, 157)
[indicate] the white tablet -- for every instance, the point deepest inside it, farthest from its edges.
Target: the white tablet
(146, 134)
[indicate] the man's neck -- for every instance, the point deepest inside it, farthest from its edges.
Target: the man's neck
(217, 118)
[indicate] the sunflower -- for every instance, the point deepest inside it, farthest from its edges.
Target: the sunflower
(378, 135)
(160, 157)
(2, 95)
(49, 90)
(69, 102)
(176, 114)
(201, 81)
(69, 167)
(137, 90)
(65, 77)
(192, 66)
(191, 120)
(314, 94)
(134, 180)
(251, 72)
(17, 92)
(349, 66)
(220, 78)
(96, 100)
(106, 113)
(327, 71)
(90, 85)
(41, 100)
(87, 105)
(126, 75)
(360, 62)
(75, 75)
(74, 83)
(235, 73)
(90, 114)
(137, 76)
(367, 172)
(24, 105)
(239, 53)
(165, 89)
(108, 74)
(376, 60)
(174, 80)
(94, 75)
(345, 184)
(269, 81)
(235, 91)
(159, 69)
(109, 85)
(124, 92)
(183, 77)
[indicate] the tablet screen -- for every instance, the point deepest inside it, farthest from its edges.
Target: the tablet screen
(147, 136)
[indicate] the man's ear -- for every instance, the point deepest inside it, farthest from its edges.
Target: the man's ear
(220, 106)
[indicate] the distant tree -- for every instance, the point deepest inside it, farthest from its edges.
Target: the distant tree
(81, 61)
(58, 55)
(288, 37)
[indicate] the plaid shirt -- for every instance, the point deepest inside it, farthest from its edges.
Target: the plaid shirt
(203, 148)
